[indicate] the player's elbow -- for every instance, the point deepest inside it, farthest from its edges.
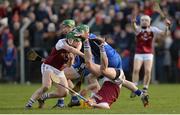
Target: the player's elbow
(103, 70)
(45, 88)
(88, 64)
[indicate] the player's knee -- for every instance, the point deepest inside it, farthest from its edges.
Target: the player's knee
(62, 93)
(147, 72)
(122, 77)
(136, 71)
(45, 88)
(65, 93)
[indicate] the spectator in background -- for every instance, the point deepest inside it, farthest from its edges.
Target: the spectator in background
(160, 52)
(78, 16)
(175, 55)
(38, 36)
(111, 12)
(3, 27)
(148, 8)
(88, 14)
(6, 34)
(167, 59)
(25, 8)
(116, 34)
(16, 11)
(9, 61)
(159, 60)
(27, 46)
(118, 19)
(63, 12)
(15, 32)
(124, 44)
(107, 28)
(54, 19)
(17, 7)
(50, 9)
(32, 27)
(4, 9)
(49, 36)
(98, 24)
(41, 13)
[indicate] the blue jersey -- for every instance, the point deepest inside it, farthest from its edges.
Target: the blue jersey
(114, 59)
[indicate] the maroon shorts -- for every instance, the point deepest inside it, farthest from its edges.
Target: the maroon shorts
(108, 93)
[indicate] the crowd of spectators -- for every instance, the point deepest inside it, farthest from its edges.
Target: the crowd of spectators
(108, 18)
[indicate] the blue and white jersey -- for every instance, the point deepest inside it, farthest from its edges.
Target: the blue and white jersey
(114, 59)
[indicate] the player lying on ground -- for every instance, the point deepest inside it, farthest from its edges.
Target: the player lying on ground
(110, 90)
(112, 60)
(60, 57)
(145, 37)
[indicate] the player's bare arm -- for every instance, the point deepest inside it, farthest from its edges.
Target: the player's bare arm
(73, 50)
(134, 25)
(71, 60)
(104, 59)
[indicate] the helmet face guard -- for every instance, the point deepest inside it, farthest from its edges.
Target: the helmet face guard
(82, 29)
(71, 36)
(70, 41)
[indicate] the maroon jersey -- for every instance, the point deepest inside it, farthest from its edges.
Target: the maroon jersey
(108, 93)
(144, 40)
(58, 58)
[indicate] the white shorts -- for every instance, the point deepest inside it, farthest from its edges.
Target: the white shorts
(143, 57)
(46, 67)
(121, 78)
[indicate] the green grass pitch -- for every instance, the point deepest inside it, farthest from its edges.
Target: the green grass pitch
(163, 99)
